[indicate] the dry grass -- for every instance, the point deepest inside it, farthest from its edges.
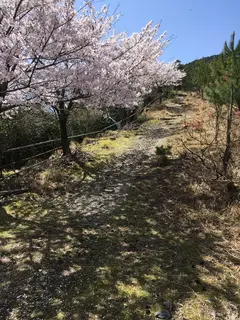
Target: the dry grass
(136, 236)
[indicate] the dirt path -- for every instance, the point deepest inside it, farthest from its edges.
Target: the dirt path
(117, 247)
(115, 182)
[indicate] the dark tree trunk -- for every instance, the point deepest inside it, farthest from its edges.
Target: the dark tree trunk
(63, 118)
(3, 89)
(218, 115)
(160, 95)
(227, 152)
(3, 92)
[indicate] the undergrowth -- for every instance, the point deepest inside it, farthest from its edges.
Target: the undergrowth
(128, 238)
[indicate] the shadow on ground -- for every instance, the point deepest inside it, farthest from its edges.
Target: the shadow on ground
(132, 238)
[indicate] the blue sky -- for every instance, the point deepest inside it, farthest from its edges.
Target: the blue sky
(199, 27)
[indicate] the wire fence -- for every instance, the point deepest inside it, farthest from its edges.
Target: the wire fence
(29, 158)
(70, 137)
(115, 124)
(13, 164)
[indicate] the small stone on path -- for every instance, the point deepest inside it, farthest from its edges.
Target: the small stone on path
(164, 314)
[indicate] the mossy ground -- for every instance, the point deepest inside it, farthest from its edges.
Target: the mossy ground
(135, 236)
(112, 145)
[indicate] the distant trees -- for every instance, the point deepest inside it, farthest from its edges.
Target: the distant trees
(54, 56)
(198, 74)
(168, 75)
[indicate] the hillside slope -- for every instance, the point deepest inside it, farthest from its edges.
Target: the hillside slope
(142, 235)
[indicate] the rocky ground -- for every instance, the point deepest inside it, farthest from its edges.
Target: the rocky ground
(142, 237)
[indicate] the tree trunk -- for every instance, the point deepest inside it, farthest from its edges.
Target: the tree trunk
(3, 92)
(217, 125)
(160, 94)
(227, 152)
(238, 104)
(63, 118)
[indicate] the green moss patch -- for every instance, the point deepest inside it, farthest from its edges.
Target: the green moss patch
(112, 145)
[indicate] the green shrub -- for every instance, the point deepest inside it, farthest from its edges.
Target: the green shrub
(163, 151)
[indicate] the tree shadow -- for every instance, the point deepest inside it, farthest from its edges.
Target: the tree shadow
(132, 238)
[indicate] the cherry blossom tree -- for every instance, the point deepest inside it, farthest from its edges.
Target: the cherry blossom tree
(34, 36)
(53, 55)
(112, 71)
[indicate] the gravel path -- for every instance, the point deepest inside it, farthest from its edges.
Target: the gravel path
(53, 261)
(114, 182)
